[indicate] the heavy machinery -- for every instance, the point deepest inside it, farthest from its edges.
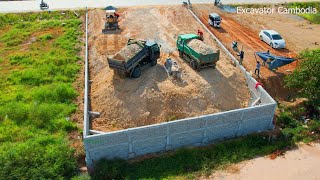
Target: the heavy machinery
(111, 25)
(196, 52)
(133, 58)
(43, 5)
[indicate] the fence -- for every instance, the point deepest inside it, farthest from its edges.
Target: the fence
(196, 131)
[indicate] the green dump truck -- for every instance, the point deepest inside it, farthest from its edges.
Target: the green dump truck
(196, 52)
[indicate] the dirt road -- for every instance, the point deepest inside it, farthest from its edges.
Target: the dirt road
(26, 6)
(245, 28)
(301, 163)
(154, 97)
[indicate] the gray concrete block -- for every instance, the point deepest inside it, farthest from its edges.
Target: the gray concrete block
(110, 152)
(147, 146)
(258, 111)
(148, 132)
(186, 125)
(224, 118)
(222, 131)
(106, 139)
(186, 139)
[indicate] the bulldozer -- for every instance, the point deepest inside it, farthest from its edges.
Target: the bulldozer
(111, 25)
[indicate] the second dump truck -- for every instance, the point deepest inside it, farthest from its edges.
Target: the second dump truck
(134, 57)
(196, 52)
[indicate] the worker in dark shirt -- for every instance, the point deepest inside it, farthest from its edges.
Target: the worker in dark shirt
(241, 56)
(258, 66)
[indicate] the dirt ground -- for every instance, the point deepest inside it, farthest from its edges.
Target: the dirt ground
(155, 97)
(244, 28)
(300, 163)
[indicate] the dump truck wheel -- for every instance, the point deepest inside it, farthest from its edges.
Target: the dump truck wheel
(193, 65)
(136, 72)
(154, 62)
(198, 67)
(180, 54)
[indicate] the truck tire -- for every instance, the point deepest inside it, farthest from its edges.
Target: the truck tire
(136, 72)
(153, 62)
(198, 67)
(193, 65)
(180, 54)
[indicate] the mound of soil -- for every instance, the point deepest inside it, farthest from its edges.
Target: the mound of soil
(127, 52)
(200, 47)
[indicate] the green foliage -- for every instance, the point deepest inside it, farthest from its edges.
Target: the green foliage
(314, 18)
(56, 92)
(189, 162)
(20, 59)
(306, 78)
(285, 119)
(110, 169)
(42, 157)
(36, 94)
(45, 37)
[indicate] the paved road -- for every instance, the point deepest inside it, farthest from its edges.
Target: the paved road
(24, 6)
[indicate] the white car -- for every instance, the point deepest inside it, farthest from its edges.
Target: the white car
(272, 38)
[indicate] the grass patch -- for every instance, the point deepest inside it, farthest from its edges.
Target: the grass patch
(39, 58)
(314, 18)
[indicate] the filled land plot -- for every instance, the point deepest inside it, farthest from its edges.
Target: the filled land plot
(155, 97)
(244, 28)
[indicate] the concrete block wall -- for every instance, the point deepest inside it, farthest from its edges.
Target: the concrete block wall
(197, 131)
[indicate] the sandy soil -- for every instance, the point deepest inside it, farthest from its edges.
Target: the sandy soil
(301, 163)
(244, 28)
(154, 97)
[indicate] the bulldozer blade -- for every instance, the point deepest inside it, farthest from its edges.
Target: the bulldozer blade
(111, 31)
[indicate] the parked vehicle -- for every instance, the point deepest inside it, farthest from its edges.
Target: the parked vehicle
(133, 58)
(214, 20)
(196, 52)
(272, 38)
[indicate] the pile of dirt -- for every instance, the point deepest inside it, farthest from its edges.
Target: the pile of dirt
(127, 52)
(200, 47)
(154, 97)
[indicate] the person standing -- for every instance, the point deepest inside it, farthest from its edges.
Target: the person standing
(200, 34)
(116, 15)
(258, 66)
(241, 56)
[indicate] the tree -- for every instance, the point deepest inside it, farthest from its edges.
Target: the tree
(306, 78)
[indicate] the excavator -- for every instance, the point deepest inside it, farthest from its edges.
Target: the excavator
(111, 25)
(43, 5)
